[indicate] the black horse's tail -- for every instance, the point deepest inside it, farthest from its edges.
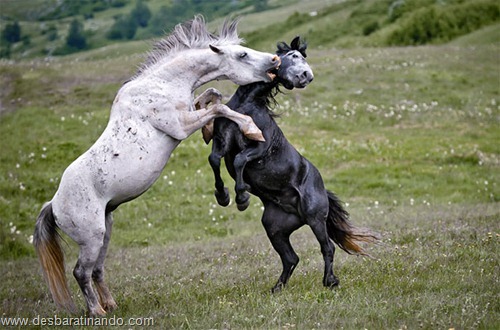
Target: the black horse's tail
(343, 232)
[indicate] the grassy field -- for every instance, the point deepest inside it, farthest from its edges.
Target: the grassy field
(407, 137)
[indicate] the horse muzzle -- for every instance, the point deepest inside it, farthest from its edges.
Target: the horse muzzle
(273, 71)
(304, 79)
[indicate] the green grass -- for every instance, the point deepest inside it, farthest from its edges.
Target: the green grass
(435, 269)
(407, 137)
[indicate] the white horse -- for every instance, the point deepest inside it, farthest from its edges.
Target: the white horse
(151, 114)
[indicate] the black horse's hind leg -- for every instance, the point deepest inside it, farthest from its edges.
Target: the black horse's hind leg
(315, 209)
(221, 192)
(327, 249)
(279, 226)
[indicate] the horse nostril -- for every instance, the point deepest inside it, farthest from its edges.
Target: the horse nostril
(306, 75)
(276, 58)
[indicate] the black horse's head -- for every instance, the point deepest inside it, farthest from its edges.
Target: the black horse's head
(294, 72)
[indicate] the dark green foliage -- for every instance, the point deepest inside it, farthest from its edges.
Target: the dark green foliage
(385, 22)
(398, 8)
(371, 27)
(125, 27)
(141, 14)
(12, 32)
(159, 21)
(443, 23)
(76, 39)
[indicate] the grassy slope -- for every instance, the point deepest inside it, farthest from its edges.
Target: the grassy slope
(406, 136)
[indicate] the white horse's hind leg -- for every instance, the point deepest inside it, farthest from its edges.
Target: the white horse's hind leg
(89, 253)
(88, 230)
(105, 298)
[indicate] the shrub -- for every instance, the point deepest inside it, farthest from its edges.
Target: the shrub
(124, 27)
(370, 28)
(443, 23)
(12, 32)
(141, 14)
(75, 37)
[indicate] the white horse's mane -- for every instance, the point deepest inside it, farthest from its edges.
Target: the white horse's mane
(192, 34)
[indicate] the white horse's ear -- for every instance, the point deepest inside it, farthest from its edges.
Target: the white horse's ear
(216, 50)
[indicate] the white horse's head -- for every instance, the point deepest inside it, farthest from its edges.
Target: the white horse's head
(237, 63)
(243, 65)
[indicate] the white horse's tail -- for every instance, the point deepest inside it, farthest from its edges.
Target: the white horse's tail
(46, 240)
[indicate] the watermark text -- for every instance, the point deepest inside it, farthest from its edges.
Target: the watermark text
(76, 321)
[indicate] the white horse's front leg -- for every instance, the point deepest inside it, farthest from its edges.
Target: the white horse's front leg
(245, 123)
(193, 120)
(211, 95)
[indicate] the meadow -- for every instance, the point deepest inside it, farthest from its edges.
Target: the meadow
(406, 137)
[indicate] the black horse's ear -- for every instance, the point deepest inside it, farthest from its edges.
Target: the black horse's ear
(302, 49)
(295, 44)
(216, 50)
(283, 48)
(300, 46)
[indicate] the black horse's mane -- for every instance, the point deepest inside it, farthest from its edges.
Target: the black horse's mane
(282, 49)
(296, 44)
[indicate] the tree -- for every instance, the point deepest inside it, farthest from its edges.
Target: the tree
(161, 21)
(75, 38)
(141, 14)
(123, 28)
(12, 32)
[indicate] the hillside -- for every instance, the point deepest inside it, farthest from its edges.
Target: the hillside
(45, 25)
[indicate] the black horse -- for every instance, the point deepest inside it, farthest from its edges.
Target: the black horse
(289, 186)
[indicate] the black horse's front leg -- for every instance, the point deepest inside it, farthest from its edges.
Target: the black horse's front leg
(253, 151)
(242, 196)
(221, 192)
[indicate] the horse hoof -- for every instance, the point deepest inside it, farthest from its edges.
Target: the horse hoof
(332, 282)
(243, 206)
(277, 288)
(256, 136)
(242, 201)
(223, 198)
(99, 311)
(110, 306)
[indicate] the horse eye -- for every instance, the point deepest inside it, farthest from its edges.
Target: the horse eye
(244, 54)
(295, 56)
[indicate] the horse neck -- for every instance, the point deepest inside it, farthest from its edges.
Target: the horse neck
(257, 93)
(193, 68)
